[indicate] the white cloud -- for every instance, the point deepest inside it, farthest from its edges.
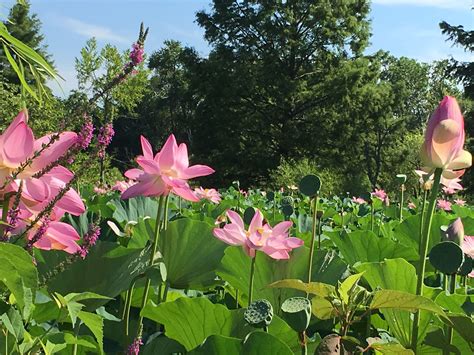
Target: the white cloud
(90, 30)
(444, 4)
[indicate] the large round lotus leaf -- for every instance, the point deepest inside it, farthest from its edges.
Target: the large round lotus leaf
(446, 257)
(259, 314)
(296, 311)
(310, 185)
(287, 210)
(466, 267)
(248, 215)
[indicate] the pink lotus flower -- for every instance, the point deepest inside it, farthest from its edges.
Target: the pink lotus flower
(380, 194)
(57, 236)
(358, 200)
(121, 186)
(467, 245)
(208, 194)
(450, 184)
(49, 233)
(274, 242)
(444, 205)
(444, 140)
(411, 206)
(459, 202)
(167, 171)
(449, 190)
(17, 145)
(100, 190)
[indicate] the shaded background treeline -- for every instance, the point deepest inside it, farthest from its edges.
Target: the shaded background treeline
(286, 89)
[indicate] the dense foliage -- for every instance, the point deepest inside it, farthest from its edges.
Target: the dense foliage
(275, 259)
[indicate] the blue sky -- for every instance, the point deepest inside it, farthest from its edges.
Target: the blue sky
(403, 27)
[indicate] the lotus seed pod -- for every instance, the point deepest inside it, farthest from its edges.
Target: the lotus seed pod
(330, 345)
(259, 314)
(296, 311)
(287, 201)
(401, 178)
(446, 257)
(466, 267)
(310, 185)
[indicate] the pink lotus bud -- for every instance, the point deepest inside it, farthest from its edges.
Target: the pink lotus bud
(455, 232)
(444, 138)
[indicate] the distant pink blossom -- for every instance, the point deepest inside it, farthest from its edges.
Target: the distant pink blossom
(275, 242)
(208, 194)
(380, 194)
(358, 200)
(444, 205)
(459, 202)
(121, 186)
(411, 205)
(449, 190)
(100, 190)
(166, 172)
(243, 193)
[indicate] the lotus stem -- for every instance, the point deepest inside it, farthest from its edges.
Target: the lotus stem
(313, 236)
(424, 244)
(372, 215)
(128, 304)
(449, 330)
(402, 190)
(252, 275)
(159, 216)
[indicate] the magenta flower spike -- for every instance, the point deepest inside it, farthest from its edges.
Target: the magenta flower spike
(444, 141)
(166, 172)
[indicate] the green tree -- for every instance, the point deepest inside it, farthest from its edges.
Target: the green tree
(275, 69)
(95, 69)
(397, 105)
(25, 27)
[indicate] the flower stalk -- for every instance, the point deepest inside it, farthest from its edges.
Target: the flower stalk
(424, 244)
(159, 216)
(252, 276)
(313, 236)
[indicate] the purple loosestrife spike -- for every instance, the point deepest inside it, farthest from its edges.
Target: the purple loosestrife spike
(134, 348)
(136, 55)
(104, 138)
(89, 240)
(39, 233)
(84, 138)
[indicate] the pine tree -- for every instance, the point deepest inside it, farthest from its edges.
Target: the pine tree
(25, 27)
